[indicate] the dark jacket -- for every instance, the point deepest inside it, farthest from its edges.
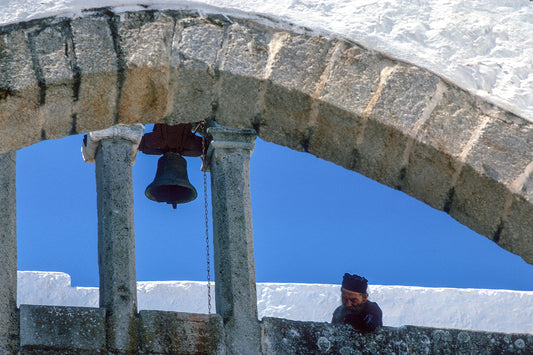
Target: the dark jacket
(367, 317)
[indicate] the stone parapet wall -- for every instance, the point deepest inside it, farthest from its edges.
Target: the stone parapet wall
(281, 336)
(62, 330)
(82, 330)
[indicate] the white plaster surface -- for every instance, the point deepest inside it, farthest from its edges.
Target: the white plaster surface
(475, 309)
(484, 46)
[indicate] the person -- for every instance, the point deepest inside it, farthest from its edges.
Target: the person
(356, 309)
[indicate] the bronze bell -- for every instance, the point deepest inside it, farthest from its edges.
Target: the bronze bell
(171, 183)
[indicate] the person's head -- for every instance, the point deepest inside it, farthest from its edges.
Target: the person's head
(354, 290)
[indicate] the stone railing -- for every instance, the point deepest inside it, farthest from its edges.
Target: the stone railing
(82, 330)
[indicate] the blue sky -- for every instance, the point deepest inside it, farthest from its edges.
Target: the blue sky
(313, 221)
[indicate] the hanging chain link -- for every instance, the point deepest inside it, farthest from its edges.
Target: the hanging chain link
(206, 206)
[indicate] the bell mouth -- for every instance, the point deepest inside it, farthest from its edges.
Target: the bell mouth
(171, 183)
(171, 194)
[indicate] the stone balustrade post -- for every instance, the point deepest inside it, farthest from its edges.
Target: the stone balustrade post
(228, 159)
(9, 325)
(113, 151)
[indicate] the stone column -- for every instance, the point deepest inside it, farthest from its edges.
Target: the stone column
(8, 255)
(114, 153)
(235, 289)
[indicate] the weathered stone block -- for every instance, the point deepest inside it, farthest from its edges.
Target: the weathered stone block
(283, 336)
(352, 79)
(243, 60)
(333, 134)
(94, 44)
(146, 38)
(97, 60)
(517, 233)
(62, 329)
(405, 95)
(285, 118)
(16, 67)
(503, 151)
(146, 41)
(19, 92)
(19, 112)
(381, 154)
(527, 188)
(298, 61)
(239, 102)
(428, 176)
(181, 333)
(246, 49)
(452, 123)
(477, 202)
(54, 64)
(194, 53)
(295, 68)
(50, 47)
(196, 43)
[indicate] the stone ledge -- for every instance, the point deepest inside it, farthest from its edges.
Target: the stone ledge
(164, 332)
(282, 336)
(61, 330)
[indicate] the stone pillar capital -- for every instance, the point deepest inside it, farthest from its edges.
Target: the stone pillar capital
(228, 138)
(221, 133)
(91, 142)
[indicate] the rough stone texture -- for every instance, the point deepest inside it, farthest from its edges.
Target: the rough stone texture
(405, 93)
(363, 67)
(195, 49)
(281, 336)
(97, 96)
(55, 70)
(116, 242)
(380, 155)
(181, 333)
(236, 297)
(516, 230)
(456, 115)
(393, 122)
(503, 150)
(332, 130)
(146, 43)
(295, 70)
(244, 58)
(436, 161)
(61, 330)
(19, 92)
(465, 206)
(8, 255)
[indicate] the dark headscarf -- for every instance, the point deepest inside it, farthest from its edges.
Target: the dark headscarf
(354, 283)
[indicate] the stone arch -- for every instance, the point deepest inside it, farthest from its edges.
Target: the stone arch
(394, 122)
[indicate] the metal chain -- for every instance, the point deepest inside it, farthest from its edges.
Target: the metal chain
(204, 160)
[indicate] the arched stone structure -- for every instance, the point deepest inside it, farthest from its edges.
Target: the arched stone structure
(396, 123)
